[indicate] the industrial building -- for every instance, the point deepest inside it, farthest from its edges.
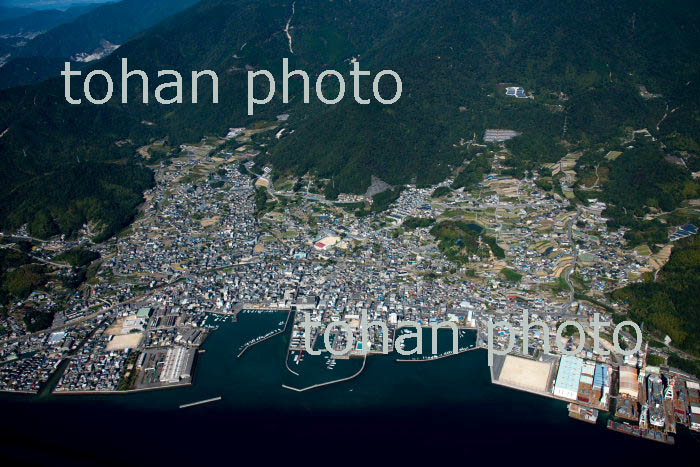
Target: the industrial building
(517, 92)
(568, 377)
(629, 384)
(177, 365)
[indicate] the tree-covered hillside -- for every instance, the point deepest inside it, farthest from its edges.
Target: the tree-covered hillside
(79, 30)
(671, 305)
(584, 71)
(456, 56)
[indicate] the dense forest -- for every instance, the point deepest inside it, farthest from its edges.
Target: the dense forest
(454, 58)
(671, 305)
(412, 223)
(77, 257)
(18, 277)
(639, 183)
(62, 201)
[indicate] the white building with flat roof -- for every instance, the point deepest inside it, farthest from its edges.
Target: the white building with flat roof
(175, 365)
(568, 377)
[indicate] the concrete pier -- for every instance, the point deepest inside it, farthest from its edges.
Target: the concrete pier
(205, 401)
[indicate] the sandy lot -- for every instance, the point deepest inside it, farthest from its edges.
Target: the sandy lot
(116, 327)
(125, 341)
(527, 374)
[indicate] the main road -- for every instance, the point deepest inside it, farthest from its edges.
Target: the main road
(572, 292)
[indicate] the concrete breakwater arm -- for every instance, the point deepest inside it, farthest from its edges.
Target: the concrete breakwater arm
(438, 357)
(206, 401)
(240, 354)
(364, 361)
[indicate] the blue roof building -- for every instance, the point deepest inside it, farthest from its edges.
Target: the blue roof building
(600, 378)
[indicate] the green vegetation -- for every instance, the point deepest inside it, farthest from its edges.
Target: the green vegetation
(411, 223)
(545, 183)
(244, 171)
(441, 191)
(36, 320)
(128, 377)
(262, 201)
(560, 285)
(331, 192)
(43, 56)
(511, 275)
(531, 150)
(24, 280)
(640, 179)
(579, 296)
(683, 364)
(452, 58)
(350, 207)
(495, 249)
(671, 305)
(77, 257)
(10, 259)
(570, 331)
(473, 173)
(64, 200)
(459, 240)
(655, 360)
(381, 201)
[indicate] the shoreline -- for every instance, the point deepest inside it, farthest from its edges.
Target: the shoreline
(112, 392)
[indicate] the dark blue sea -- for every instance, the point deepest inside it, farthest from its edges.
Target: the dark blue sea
(445, 411)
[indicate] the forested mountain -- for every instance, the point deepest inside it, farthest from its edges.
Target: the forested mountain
(583, 61)
(10, 12)
(671, 305)
(453, 54)
(35, 22)
(82, 36)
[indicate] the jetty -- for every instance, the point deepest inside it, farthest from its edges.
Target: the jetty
(327, 383)
(205, 401)
(433, 358)
(266, 337)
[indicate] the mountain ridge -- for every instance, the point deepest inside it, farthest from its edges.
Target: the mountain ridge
(82, 34)
(454, 57)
